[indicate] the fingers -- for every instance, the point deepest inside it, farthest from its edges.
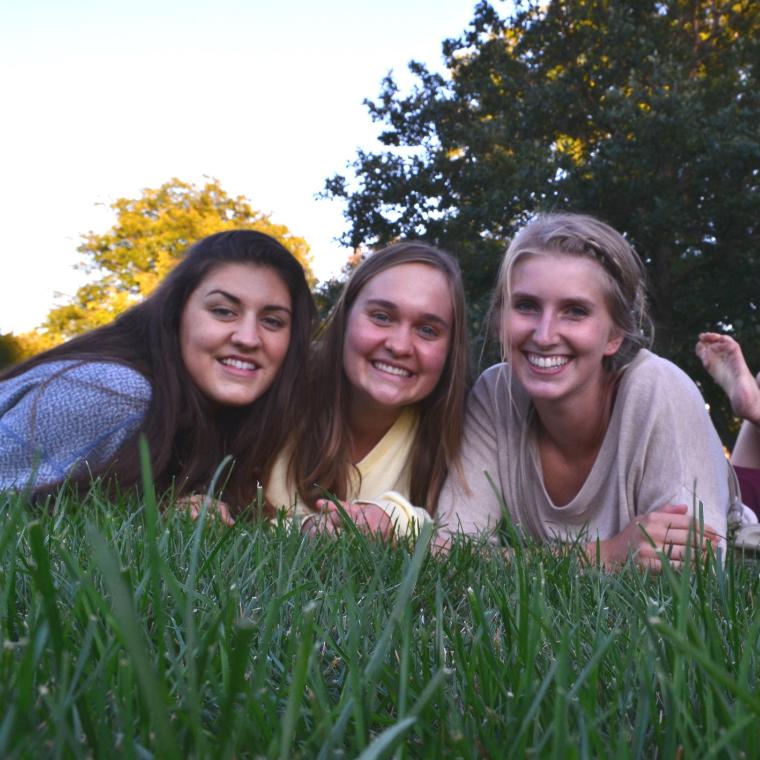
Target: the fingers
(670, 509)
(673, 523)
(193, 505)
(368, 518)
(224, 514)
(669, 531)
(655, 565)
(664, 537)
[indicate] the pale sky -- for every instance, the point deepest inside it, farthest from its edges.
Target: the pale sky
(100, 99)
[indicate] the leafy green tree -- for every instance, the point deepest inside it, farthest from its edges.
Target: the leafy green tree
(150, 235)
(645, 114)
(10, 350)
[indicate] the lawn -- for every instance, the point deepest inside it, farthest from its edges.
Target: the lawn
(131, 633)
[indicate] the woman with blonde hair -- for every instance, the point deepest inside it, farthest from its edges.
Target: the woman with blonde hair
(585, 434)
(386, 403)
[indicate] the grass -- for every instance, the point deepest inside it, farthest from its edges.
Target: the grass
(127, 633)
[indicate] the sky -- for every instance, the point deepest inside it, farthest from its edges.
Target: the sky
(100, 99)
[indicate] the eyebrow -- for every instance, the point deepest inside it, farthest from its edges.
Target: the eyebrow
(238, 302)
(564, 301)
(428, 317)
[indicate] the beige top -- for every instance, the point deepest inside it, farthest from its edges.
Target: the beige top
(660, 448)
(383, 478)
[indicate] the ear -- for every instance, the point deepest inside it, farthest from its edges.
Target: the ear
(613, 344)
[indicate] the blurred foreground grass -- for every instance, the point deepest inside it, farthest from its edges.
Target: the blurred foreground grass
(128, 633)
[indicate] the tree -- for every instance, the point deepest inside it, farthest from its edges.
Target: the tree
(645, 114)
(10, 350)
(149, 237)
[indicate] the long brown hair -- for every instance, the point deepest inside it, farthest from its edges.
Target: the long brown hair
(321, 459)
(186, 434)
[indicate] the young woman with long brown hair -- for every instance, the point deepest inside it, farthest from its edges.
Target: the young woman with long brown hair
(209, 365)
(389, 379)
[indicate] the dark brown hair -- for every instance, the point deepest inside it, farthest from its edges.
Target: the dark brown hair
(321, 459)
(187, 435)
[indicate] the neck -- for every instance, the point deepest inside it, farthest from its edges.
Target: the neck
(575, 428)
(367, 427)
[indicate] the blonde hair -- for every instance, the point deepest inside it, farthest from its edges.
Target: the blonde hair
(577, 235)
(581, 235)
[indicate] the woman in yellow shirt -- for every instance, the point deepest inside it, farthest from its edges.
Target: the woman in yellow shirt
(390, 374)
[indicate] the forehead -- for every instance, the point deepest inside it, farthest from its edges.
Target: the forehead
(560, 274)
(413, 287)
(244, 280)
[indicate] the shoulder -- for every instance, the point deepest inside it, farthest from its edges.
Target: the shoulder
(651, 377)
(106, 378)
(58, 415)
(109, 377)
(492, 382)
(656, 394)
(496, 387)
(73, 383)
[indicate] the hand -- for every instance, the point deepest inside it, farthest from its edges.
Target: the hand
(669, 527)
(194, 503)
(368, 519)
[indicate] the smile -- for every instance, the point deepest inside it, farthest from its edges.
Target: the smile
(239, 364)
(547, 362)
(391, 370)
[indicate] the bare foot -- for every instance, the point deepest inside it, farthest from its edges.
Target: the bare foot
(722, 357)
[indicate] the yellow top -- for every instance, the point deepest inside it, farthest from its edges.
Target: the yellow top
(385, 478)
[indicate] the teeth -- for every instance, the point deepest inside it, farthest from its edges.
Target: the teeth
(391, 370)
(238, 364)
(547, 362)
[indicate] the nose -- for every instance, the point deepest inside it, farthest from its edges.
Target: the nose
(399, 340)
(545, 332)
(246, 334)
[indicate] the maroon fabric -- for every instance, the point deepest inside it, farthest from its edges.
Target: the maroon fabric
(749, 482)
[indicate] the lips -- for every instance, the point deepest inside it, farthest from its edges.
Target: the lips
(547, 363)
(241, 364)
(391, 369)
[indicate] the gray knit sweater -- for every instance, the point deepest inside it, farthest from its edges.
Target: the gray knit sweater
(63, 416)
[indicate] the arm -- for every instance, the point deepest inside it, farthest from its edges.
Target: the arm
(469, 502)
(668, 454)
(69, 418)
(670, 530)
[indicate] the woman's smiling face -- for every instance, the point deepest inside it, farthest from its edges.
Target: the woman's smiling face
(558, 326)
(397, 337)
(235, 331)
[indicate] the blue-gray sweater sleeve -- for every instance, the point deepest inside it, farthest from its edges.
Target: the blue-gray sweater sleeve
(61, 417)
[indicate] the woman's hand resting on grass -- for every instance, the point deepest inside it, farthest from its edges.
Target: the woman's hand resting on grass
(368, 518)
(671, 528)
(194, 503)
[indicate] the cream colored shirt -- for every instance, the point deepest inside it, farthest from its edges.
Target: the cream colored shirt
(383, 478)
(660, 448)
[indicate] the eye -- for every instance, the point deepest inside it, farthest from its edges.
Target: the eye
(428, 331)
(222, 312)
(577, 312)
(525, 306)
(274, 323)
(380, 317)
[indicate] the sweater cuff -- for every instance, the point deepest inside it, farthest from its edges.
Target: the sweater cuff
(407, 519)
